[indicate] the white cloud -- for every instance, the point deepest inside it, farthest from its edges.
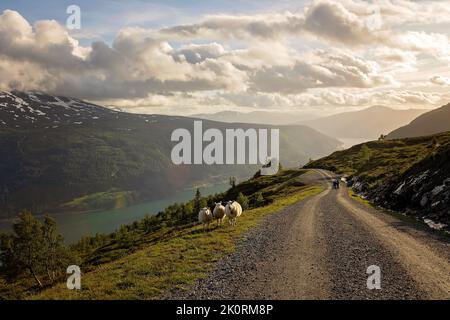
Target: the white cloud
(134, 66)
(332, 69)
(266, 60)
(442, 81)
(263, 26)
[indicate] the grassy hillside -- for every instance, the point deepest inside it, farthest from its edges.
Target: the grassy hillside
(410, 175)
(377, 161)
(432, 122)
(166, 252)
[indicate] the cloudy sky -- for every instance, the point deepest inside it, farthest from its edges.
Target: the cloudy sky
(184, 57)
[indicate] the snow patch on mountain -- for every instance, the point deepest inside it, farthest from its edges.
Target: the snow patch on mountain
(37, 109)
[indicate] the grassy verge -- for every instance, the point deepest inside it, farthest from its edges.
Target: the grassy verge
(173, 261)
(357, 197)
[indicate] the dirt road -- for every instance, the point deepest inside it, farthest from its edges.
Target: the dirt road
(322, 248)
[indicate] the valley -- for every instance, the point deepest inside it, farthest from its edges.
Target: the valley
(60, 149)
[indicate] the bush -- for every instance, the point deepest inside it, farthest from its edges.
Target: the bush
(259, 200)
(35, 250)
(243, 201)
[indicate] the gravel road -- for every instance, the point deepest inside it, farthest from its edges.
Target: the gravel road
(321, 248)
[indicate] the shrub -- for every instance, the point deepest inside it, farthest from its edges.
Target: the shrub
(259, 200)
(243, 200)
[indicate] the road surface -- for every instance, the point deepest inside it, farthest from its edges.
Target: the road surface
(322, 247)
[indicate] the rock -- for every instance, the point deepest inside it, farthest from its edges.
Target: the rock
(447, 182)
(399, 189)
(437, 190)
(424, 200)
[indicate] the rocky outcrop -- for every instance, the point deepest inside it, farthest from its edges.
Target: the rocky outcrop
(422, 191)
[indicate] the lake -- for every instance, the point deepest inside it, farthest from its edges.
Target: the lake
(73, 226)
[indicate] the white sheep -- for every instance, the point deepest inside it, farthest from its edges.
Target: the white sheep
(205, 217)
(233, 210)
(219, 213)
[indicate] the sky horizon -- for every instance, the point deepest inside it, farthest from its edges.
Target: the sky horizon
(174, 57)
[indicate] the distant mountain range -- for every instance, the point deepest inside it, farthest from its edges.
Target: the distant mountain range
(432, 122)
(369, 123)
(57, 149)
(264, 117)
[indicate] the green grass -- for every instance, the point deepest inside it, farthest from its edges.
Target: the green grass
(174, 260)
(175, 221)
(379, 161)
(358, 198)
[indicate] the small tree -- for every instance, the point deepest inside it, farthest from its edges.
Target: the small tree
(259, 200)
(199, 202)
(188, 209)
(150, 223)
(233, 182)
(203, 203)
(34, 249)
(23, 251)
(197, 199)
(56, 255)
(243, 200)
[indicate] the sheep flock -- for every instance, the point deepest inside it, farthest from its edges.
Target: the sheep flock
(232, 210)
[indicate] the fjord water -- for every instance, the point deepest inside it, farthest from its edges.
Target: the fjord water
(73, 226)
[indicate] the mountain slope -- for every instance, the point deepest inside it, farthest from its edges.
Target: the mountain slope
(56, 149)
(273, 118)
(410, 175)
(368, 123)
(432, 122)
